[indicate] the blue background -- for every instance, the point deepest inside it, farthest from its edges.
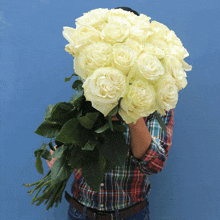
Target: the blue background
(33, 66)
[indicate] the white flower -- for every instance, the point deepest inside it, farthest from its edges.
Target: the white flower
(177, 50)
(115, 33)
(139, 101)
(120, 13)
(118, 20)
(167, 93)
(119, 54)
(104, 88)
(172, 38)
(154, 50)
(149, 67)
(139, 34)
(159, 29)
(134, 45)
(173, 66)
(123, 57)
(93, 56)
(153, 39)
(80, 37)
(94, 18)
(145, 18)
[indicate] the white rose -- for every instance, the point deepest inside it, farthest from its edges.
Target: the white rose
(139, 34)
(139, 21)
(172, 38)
(120, 12)
(115, 33)
(94, 18)
(185, 65)
(159, 29)
(104, 88)
(145, 18)
(167, 93)
(118, 20)
(139, 101)
(93, 56)
(153, 39)
(178, 51)
(123, 57)
(70, 49)
(149, 67)
(80, 37)
(134, 45)
(173, 66)
(154, 50)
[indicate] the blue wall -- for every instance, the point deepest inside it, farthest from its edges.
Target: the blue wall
(33, 66)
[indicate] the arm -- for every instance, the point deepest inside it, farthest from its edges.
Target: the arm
(151, 157)
(140, 138)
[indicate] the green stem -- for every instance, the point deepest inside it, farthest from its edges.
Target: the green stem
(41, 182)
(62, 189)
(33, 200)
(48, 198)
(35, 183)
(46, 187)
(40, 201)
(54, 196)
(45, 194)
(30, 184)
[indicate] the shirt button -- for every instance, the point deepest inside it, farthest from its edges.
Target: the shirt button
(102, 184)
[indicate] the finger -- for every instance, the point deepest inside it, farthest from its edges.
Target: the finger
(114, 118)
(49, 164)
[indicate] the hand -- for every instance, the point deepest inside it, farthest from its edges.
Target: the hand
(50, 163)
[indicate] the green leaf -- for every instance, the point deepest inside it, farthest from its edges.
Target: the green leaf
(102, 162)
(48, 111)
(89, 146)
(40, 149)
(160, 121)
(59, 151)
(73, 132)
(76, 158)
(39, 164)
(79, 101)
(93, 173)
(103, 128)
(69, 78)
(110, 165)
(77, 85)
(120, 128)
(59, 171)
(74, 97)
(79, 114)
(51, 145)
(68, 131)
(48, 129)
(114, 147)
(61, 113)
(43, 152)
(46, 155)
(89, 120)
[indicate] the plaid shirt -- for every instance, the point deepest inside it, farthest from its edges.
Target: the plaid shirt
(129, 184)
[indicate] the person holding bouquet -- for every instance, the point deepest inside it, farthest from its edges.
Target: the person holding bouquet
(124, 193)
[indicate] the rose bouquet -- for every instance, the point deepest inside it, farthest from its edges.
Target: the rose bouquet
(126, 66)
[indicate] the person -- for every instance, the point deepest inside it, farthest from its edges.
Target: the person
(124, 193)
